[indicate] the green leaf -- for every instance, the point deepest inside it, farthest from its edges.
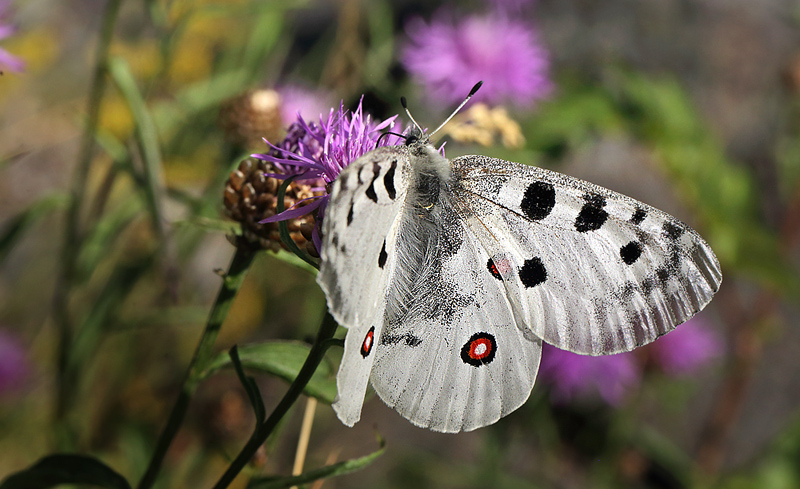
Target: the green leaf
(191, 101)
(209, 224)
(269, 24)
(282, 359)
(147, 137)
(380, 49)
(340, 468)
(294, 260)
(100, 318)
(571, 120)
(54, 470)
(250, 386)
(17, 226)
(105, 233)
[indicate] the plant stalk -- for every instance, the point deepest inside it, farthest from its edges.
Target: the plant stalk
(73, 236)
(264, 430)
(231, 283)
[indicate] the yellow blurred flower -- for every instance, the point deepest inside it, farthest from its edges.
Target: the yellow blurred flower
(192, 169)
(38, 47)
(143, 57)
(115, 116)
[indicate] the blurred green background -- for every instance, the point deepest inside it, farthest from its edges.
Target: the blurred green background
(117, 235)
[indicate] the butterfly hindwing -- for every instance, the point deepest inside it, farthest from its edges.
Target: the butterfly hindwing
(586, 269)
(451, 356)
(357, 260)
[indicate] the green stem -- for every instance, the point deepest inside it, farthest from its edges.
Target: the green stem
(262, 431)
(72, 233)
(204, 352)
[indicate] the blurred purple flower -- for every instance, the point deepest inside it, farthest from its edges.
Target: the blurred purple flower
(8, 60)
(320, 152)
(296, 99)
(14, 366)
(574, 376)
(687, 349)
(448, 56)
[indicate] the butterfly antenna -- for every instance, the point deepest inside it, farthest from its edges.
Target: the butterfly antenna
(387, 133)
(404, 103)
(471, 93)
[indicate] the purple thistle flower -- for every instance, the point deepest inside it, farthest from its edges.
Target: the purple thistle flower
(319, 152)
(8, 60)
(14, 366)
(296, 99)
(687, 349)
(447, 57)
(574, 376)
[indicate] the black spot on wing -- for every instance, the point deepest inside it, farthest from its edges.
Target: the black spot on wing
(343, 181)
(350, 215)
(672, 230)
(638, 216)
(376, 170)
(532, 272)
(382, 256)
(630, 252)
(407, 338)
(648, 285)
(371, 192)
(675, 256)
(662, 275)
(539, 200)
(388, 180)
(592, 215)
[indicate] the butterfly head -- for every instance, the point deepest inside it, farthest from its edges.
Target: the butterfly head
(416, 136)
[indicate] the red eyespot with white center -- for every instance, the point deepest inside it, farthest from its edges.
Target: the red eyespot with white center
(479, 350)
(366, 345)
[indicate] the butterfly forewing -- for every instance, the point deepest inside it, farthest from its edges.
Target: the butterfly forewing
(357, 260)
(587, 269)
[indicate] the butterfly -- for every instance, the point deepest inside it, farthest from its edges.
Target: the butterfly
(449, 275)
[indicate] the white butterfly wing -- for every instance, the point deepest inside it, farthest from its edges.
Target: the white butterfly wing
(451, 356)
(365, 201)
(586, 269)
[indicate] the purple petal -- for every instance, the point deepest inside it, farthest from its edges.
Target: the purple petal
(14, 367)
(687, 349)
(13, 63)
(573, 376)
(297, 101)
(8, 60)
(7, 30)
(294, 211)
